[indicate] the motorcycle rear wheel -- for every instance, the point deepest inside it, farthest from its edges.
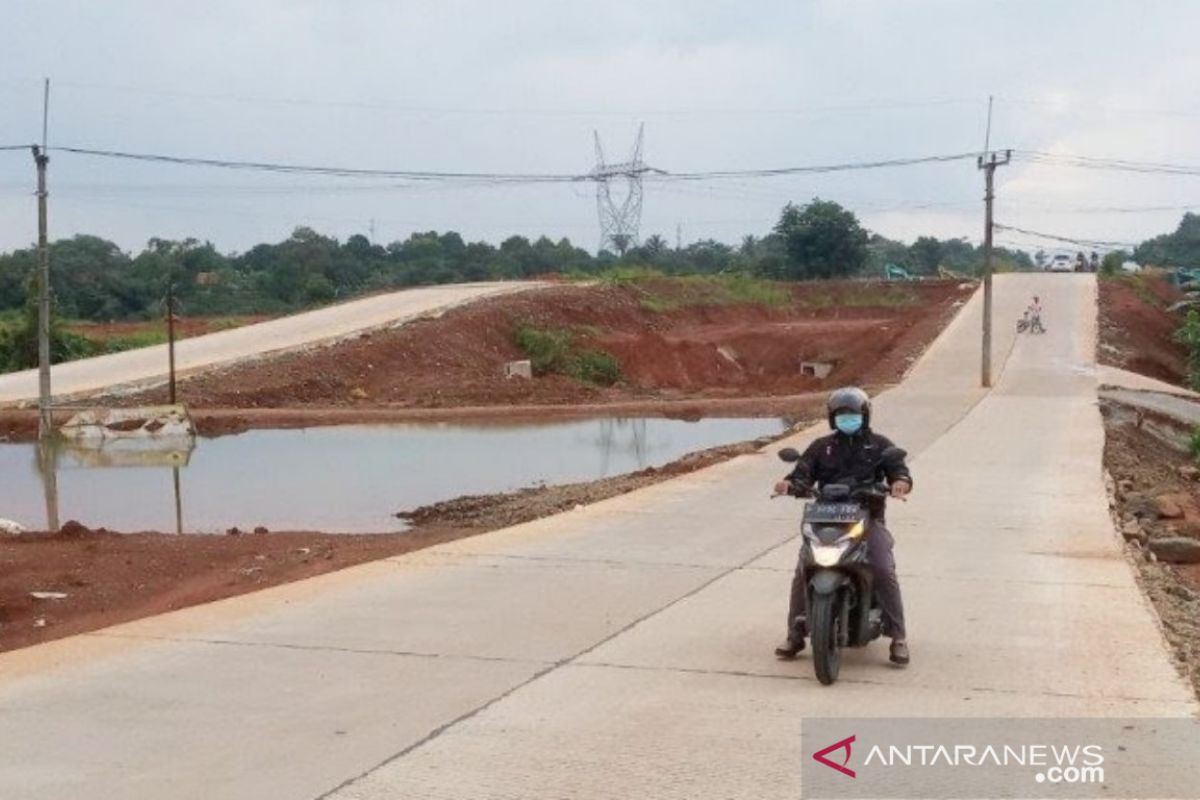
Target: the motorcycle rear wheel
(827, 658)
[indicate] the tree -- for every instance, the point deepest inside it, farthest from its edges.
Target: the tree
(926, 254)
(1178, 249)
(821, 240)
(1113, 261)
(622, 241)
(654, 247)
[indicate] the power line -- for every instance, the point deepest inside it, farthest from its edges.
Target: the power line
(499, 177)
(15, 146)
(345, 172)
(825, 168)
(1116, 164)
(1104, 209)
(1067, 239)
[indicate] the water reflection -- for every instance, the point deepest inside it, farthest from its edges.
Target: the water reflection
(45, 462)
(345, 478)
(55, 452)
(608, 440)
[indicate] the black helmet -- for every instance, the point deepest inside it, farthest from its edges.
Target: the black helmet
(852, 399)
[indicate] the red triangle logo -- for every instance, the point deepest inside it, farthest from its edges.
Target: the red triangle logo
(844, 744)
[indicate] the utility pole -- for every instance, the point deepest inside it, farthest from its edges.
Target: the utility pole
(171, 336)
(988, 163)
(987, 135)
(45, 422)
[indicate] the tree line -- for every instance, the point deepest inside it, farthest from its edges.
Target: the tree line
(93, 279)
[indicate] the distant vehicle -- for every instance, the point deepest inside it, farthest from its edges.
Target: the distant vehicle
(1184, 277)
(1061, 263)
(1131, 266)
(894, 272)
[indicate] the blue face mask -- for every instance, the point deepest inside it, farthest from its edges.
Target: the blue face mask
(848, 424)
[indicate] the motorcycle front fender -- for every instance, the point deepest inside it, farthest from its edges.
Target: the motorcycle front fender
(827, 581)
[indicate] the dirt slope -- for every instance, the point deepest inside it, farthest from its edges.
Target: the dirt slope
(1137, 330)
(667, 342)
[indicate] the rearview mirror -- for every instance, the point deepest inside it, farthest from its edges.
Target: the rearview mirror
(789, 454)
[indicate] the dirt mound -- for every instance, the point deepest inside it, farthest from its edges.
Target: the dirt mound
(480, 513)
(1157, 501)
(1136, 329)
(667, 342)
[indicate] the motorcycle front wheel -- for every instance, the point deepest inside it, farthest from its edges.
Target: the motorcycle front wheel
(827, 658)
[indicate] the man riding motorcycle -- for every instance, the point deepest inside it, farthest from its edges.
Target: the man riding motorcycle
(851, 454)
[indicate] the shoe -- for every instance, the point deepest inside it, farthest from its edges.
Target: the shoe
(789, 649)
(898, 653)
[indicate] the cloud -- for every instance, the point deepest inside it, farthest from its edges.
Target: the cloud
(519, 86)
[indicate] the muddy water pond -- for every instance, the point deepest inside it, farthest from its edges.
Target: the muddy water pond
(344, 478)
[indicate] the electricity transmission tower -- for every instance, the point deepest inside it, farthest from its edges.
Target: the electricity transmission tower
(619, 221)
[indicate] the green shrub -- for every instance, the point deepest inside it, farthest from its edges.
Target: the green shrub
(1194, 443)
(554, 352)
(19, 344)
(597, 366)
(1188, 334)
(549, 350)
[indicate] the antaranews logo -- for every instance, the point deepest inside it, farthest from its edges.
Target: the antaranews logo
(844, 767)
(1059, 764)
(938, 758)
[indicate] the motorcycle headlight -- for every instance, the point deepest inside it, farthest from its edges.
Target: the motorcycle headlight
(859, 528)
(828, 555)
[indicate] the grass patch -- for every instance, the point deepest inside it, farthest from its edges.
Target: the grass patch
(865, 296)
(658, 292)
(555, 352)
(132, 341)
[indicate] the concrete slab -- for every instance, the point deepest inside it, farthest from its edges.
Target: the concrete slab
(487, 608)
(1124, 379)
(602, 732)
(201, 721)
(724, 629)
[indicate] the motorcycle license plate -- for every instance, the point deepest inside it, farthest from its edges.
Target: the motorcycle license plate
(833, 512)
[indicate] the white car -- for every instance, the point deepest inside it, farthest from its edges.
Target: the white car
(1061, 263)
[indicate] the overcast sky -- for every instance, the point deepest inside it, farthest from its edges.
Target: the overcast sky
(519, 86)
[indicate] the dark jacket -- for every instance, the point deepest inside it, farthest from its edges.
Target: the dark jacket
(838, 458)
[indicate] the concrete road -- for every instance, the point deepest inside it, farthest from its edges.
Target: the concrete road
(1124, 379)
(149, 364)
(624, 649)
(1179, 407)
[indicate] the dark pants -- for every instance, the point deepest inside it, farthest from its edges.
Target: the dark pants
(887, 587)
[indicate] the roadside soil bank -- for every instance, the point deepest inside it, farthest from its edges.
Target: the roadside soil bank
(669, 342)
(21, 424)
(110, 577)
(1156, 497)
(464, 516)
(1136, 329)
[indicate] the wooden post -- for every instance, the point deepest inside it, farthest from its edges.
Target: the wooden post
(989, 172)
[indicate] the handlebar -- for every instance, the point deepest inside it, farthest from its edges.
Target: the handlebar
(876, 490)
